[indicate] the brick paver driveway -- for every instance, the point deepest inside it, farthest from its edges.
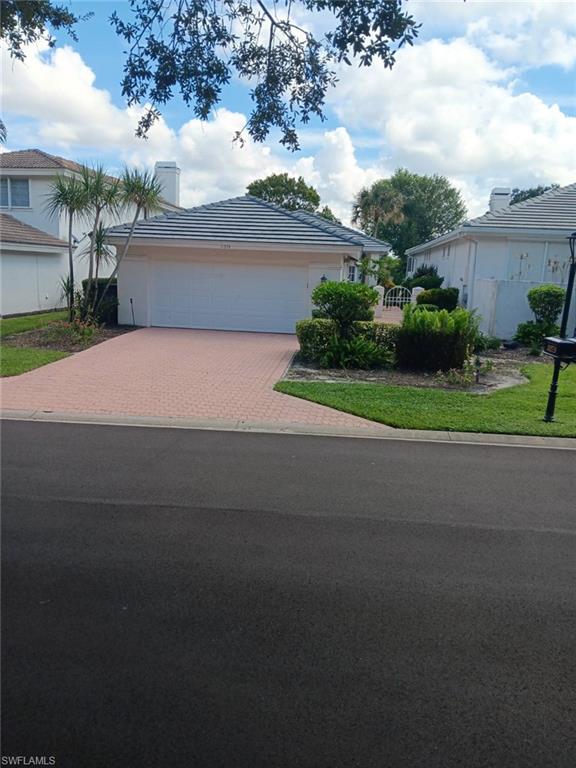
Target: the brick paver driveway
(174, 373)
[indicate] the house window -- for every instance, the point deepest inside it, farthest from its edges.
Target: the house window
(14, 193)
(352, 273)
(410, 264)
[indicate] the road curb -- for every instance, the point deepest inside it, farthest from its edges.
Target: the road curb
(378, 432)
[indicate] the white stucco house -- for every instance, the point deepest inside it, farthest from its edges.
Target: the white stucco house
(496, 258)
(34, 256)
(240, 264)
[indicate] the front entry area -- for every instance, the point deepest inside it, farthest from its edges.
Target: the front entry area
(239, 297)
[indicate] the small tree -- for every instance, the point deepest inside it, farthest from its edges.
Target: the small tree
(67, 195)
(141, 192)
(345, 303)
(102, 194)
(287, 191)
(546, 301)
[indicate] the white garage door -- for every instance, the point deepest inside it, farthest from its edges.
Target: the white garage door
(232, 297)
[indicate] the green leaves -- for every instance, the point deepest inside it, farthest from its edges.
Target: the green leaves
(408, 209)
(195, 48)
(546, 301)
(345, 303)
(287, 191)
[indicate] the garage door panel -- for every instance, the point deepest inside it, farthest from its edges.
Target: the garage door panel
(229, 297)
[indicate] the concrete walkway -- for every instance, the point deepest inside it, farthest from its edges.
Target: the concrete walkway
(166, 373)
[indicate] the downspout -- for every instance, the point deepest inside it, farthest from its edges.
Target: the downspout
(471, 272)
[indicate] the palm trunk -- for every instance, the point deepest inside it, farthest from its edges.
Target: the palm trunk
(119, 260)
(96, 272)
(70, 268)
(89, 284)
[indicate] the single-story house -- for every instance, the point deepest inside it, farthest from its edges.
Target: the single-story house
(31, 269)
(240, 264)
(496, 258)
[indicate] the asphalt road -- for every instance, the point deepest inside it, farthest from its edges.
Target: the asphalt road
(204, 599)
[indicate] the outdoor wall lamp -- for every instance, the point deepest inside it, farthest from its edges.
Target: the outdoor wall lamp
(563, 350)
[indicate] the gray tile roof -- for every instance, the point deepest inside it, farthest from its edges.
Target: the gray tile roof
(248, 219)
(555, 209)
(15, 231)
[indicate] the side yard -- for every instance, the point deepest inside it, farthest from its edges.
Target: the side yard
(16, 360)
(31, 341)
(518, 410)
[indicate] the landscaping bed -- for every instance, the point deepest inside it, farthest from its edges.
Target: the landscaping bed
(46, 338)
(30, 341)
(505, 371)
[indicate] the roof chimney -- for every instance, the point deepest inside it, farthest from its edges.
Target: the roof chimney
(168, 174)
(500, 198)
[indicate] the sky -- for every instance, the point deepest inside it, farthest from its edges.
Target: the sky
(486, 97)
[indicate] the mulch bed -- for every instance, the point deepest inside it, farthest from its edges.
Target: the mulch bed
(40, 338)
(505, 373)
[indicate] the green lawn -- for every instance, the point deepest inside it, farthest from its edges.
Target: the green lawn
(16, 360)
(11, 325)
(515, 411)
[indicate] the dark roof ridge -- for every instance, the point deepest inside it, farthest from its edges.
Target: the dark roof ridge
(293, 215)
(550, 193)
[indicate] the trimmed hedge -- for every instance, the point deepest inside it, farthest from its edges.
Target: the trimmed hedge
(108, 312)
(443, 298)
(436, 341)
(316, 336)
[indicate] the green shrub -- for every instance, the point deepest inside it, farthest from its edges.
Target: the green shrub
(427, 307)
(484, 343)
(425, 277)
(314, 337)
(355, 352)
(546, 301)
(108, 309)
(382, 334)
(436, 341)
(344, 303)
(318, 338)
(77, 331)
(532, 333)
(443, 298)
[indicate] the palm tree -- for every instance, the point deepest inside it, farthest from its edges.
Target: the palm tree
(379, 204)
(102, 194)
(3, 132)
(100, 252)
(68, 195)
(142, 192)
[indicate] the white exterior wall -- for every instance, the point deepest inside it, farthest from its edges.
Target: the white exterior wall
(494, 274)
(30, 281)
(503, 304)
(134, 275)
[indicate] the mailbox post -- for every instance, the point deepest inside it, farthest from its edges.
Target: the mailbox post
(563, 350)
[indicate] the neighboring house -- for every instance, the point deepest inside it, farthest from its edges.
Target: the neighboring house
(241, 264)
(29, 258)
(495, 259)
(31, 276)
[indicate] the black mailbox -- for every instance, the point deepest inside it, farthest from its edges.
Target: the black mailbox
(561, 349)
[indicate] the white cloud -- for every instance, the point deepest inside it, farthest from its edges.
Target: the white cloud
(447, 108)
(73, 116)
